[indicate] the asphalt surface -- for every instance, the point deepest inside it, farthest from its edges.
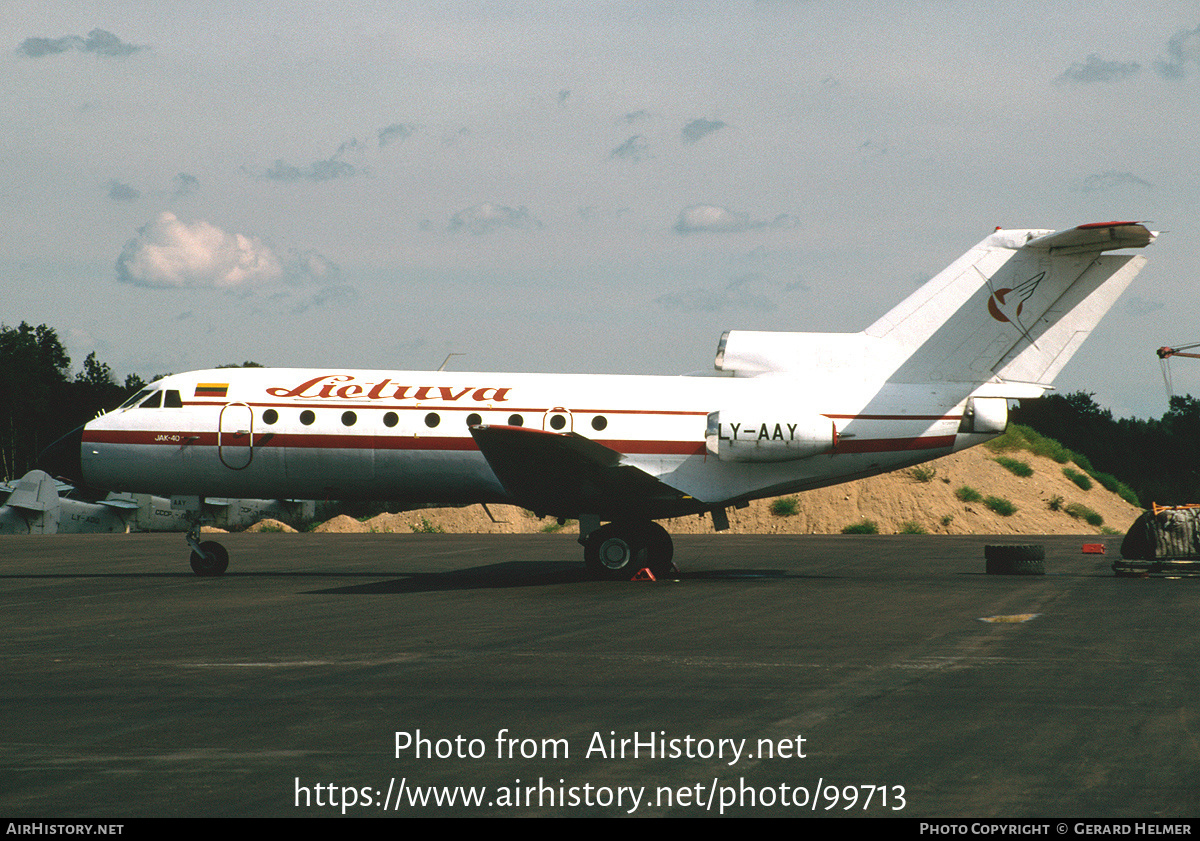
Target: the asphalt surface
(863, 664)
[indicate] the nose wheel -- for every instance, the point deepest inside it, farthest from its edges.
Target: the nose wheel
(620, 550)
(208, 558)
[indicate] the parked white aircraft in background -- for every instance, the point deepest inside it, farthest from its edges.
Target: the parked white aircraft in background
(34, 505)
(784, 411)
(37, 504)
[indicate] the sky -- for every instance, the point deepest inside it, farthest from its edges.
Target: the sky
(598, 187)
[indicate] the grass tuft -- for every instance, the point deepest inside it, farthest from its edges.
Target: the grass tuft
(1082, 512)
(426, 527)
(1015, 466)
(1078, 478)
(968, 494)
(865, 527)
(922, 473)
(785, 506)
(1000, 505)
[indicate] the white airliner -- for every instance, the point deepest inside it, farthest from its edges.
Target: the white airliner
(783, 412)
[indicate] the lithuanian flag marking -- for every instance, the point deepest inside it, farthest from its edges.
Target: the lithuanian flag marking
(211, 389)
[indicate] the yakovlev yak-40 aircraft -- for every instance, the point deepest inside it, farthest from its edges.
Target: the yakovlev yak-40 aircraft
(784, 412)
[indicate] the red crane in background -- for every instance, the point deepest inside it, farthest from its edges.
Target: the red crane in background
(1165, 354)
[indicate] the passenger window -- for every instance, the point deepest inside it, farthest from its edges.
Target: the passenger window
(391, 419)
(432, 420)
(270, 416)
(516, 420)
(307, 417)
(349, 418)
(599, 423)
(557, 422)
(473, 419)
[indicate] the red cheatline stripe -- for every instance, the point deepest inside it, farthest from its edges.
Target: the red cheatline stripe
(353, 442)
(884, 445)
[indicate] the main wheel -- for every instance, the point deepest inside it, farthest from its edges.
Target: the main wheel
(659, 549)
(615, 551)
(214, 561)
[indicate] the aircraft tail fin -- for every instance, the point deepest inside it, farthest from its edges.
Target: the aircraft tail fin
(35, 491)
(1013, 309)
(36, 496)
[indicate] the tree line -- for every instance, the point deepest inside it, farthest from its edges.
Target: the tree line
(40, 401)
(1158, 458)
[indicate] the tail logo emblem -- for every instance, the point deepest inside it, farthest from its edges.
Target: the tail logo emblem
(1001, 302)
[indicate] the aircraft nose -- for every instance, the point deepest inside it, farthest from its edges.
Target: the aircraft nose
(62, 458)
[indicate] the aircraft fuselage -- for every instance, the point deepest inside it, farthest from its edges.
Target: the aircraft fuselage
(406, 436)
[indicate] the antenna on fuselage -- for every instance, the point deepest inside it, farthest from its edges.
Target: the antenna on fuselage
(442, 367)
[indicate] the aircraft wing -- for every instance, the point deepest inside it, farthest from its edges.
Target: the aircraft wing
(120, 501)
(566, 474)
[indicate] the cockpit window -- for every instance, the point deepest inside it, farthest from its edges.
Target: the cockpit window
(133, 401)
(171, 399)
(153, 401)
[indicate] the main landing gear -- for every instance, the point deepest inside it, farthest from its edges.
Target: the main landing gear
(208, 558)
(619, 550)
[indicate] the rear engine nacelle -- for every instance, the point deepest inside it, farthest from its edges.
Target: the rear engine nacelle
(987, 415)
(768, 435)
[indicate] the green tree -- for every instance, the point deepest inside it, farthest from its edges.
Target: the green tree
(95, 373)
(33, 372)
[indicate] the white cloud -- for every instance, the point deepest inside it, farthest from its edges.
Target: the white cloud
(184, 185)
(752, 292)
(633, 149)
(710, 218)
(168, 253)
(396, 132)
(316, 171)
(98, 41)
(118, 191)
(1103, 181)
(1183, 49)
(698, 128)
(487, 217)
(1096, 69)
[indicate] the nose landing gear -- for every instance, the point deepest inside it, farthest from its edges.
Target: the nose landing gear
(208, 558)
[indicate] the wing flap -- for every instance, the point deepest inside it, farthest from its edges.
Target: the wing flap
(566, 474)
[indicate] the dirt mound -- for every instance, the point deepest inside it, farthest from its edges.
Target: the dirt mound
(270, 525)
(341, 524)
(925, 499)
